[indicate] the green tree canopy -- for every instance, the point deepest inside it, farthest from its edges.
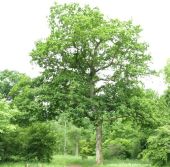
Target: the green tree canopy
(7, 80)
(6, 114)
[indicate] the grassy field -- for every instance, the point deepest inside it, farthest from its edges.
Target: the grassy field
(70, 161)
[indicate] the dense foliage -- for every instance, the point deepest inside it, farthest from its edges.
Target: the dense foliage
(158, 150)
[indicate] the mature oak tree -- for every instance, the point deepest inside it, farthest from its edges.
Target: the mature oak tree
(85, 53)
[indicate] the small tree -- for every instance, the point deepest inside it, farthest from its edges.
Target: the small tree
(74, 135)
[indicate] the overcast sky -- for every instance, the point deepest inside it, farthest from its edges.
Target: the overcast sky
(22, 22)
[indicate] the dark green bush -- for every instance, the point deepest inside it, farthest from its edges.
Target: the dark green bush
(36, 142)
(12, 145)
(158, 151)
(115, 150)
(121, 148)
(41, 142)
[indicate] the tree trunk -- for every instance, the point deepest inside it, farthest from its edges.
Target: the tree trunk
(77, 149)
(65, 138)
(99, 154)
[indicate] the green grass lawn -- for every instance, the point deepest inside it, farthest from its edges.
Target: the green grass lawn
(70, 161)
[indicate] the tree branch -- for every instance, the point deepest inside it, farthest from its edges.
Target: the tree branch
(112, 60)
(118, 117)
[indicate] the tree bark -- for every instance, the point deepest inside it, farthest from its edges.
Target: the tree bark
(99, 154)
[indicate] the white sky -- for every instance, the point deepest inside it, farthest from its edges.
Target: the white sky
(22, 22)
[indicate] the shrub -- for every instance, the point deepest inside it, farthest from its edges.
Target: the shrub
(158, 150)
(121, 148)
(87, 148)
(41, 142)
(12, 145)
(115, 149)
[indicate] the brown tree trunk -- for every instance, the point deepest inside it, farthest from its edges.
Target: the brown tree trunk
(99, 154)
